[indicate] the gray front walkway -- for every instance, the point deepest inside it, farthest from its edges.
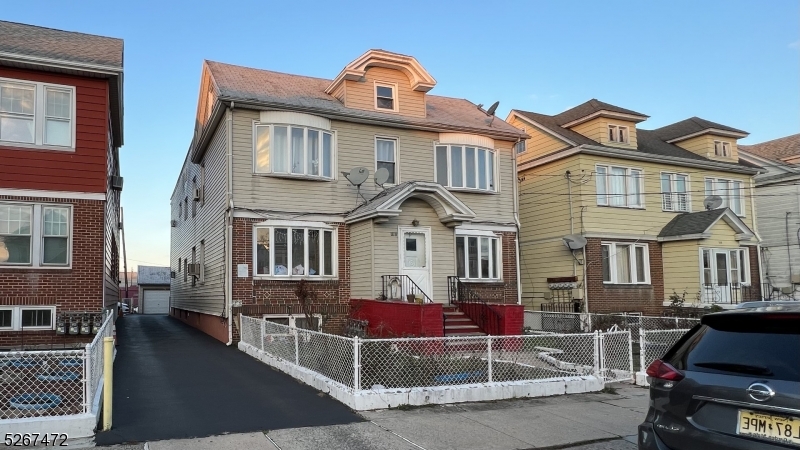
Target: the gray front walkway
(172, 382)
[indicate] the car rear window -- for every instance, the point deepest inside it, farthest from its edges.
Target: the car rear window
(745, 353)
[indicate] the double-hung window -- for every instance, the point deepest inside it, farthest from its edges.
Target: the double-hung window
(37, 114)
(478, 257)
(465, 167)
(293, 150)
(674, 192)
(34, 235)
(731, 192)
(385, 97)
(386, 157)
(722, 148)
(619, 186)
(295, 251)
(617, 133)
(625, 263)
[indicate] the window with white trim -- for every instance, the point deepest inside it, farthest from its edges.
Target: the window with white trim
(722, 148)
(385, 96)
(288, 251)
(521, 148)
(675, 192)
(386, 157)
(293, 150)
(465, 167)
(478, 257)
(34, 235)
(625, 263)
(722, 266)
(296, 321)
(618, 133)
(731, 192)
(37, 113)
(619, 186)
(27, 318)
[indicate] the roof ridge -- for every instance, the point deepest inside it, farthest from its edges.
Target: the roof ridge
(62, 31)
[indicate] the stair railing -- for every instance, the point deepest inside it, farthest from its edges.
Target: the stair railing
(473, 305)
(401, 288)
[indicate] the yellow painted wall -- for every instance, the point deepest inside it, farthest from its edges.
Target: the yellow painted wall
(361, 94)
(704, 146)
(597, 129)
(539, 144)
(681, 268)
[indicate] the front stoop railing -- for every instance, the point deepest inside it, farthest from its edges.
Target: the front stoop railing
(473, 305)
(403, 288)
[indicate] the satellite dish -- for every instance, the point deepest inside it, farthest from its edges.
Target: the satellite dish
(493, 108)
(381, 176)
(712, 202)
(574, 241)
(357, 176)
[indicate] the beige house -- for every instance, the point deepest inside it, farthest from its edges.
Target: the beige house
(652, 214)
(364, 185)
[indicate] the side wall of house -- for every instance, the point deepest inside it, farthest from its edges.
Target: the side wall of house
(112, 240)
(363, 285)
(773, 203)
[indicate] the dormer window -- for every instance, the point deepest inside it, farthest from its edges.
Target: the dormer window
(722, 148)
(618, 133)
(385, 96)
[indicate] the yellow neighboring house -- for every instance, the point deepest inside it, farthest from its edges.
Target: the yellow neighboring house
(657, 213)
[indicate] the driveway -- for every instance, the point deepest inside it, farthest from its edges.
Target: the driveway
(171, 381)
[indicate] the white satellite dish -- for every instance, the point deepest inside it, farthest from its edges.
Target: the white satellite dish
(381, 176)
(357, 176)
(574, 241)
(712, 202)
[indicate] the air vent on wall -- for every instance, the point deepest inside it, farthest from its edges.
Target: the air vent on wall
(116, 183)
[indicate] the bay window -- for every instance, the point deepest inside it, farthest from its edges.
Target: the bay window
(674, 192)
(34, 235)
(37, 114)
(625, 263)
(478, 257)
(619, 186)
(294, 251)
(293, 150)
(731, 192)
(465, 167)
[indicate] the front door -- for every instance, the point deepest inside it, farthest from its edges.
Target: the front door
(415, 257)
(720, 275)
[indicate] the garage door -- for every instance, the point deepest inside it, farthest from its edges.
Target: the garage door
(156, 302)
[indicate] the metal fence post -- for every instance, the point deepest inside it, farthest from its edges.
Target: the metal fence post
(597, 353)
(87, 379)
(263, 331)
(489, 356)
(630, 355)
(356, 363)
(602, 347)
(297, 348)
(642, 347)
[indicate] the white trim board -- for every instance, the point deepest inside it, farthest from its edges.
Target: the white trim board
(53, 194)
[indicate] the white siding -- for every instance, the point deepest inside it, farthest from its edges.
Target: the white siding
(361, 282)
(772, 204)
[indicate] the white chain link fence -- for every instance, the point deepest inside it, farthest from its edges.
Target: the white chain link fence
(379, 365)
(558, 322)
(51, 382)
(654, 345)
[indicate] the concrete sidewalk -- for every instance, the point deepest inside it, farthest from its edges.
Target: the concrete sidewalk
(579, 421)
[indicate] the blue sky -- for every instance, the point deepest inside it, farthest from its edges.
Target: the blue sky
(735, 62)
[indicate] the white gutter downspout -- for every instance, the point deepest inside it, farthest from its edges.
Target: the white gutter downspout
(229, 226)
(516, 220)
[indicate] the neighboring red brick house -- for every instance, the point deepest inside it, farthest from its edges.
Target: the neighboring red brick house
(281, 185)
(60, 133)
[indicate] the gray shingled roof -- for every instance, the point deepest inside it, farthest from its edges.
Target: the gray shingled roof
(691, 223)
(375, 202)
(589, 108)
(41, 42)
(776, 149)
(690, 126)
(298, 92)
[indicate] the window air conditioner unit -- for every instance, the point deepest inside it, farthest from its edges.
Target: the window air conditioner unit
(197, 194)
(193, 270)
(116, 183)
(172, 274)
(173, 223)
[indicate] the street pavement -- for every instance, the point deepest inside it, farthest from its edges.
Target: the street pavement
(603, 421)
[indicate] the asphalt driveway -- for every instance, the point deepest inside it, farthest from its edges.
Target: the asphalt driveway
(171, 381)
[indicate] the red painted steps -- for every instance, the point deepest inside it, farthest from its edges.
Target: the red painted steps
(456, 323)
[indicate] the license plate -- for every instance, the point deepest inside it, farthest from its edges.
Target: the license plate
(767, 426)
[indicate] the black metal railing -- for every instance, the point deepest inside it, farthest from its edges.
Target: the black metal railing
(574, 306)
(733, 293)
(473, 305)
(402, 288)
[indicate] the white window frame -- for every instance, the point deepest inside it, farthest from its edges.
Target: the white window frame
(618, 133)
(202, 261)
(722, 148)
(745, 269)
(395, 100)
(612, 262)
(605, 199)
(306, 226)
(494, 263)
(673, 193)
(449, 184)
(293, 320)
(16, 317)
(289, 173)
(396, 159)
(39, 115)
(37, 237)
(522, 145)
(726, 193)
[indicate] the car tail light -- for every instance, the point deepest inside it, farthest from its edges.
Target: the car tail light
(663, 371)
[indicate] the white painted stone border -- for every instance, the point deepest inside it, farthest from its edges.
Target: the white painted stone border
(364, 400)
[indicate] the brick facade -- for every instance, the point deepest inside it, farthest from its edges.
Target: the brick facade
(504, 291)
(647, 299)
(77, 289)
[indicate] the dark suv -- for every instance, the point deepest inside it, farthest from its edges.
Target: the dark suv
(732, 382)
